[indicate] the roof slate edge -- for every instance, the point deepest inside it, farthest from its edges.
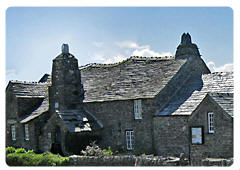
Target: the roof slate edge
(136, 58)
(225, 111)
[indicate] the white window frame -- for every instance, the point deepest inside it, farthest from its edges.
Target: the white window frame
(210, 122)
(129, 139)
(26, 132)
(138, 109)
(13, 132)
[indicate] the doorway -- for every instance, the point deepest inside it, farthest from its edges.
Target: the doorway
(57, 142)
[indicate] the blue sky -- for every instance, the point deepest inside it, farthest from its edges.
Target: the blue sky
(34, 35)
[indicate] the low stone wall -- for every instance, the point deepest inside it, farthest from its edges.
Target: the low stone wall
(126, 160)
(217, 162)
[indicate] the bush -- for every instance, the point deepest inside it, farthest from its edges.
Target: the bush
(10, 149)
(22, 158)
(108, 151)
(20, 150)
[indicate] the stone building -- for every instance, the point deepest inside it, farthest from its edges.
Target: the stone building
(154, 105)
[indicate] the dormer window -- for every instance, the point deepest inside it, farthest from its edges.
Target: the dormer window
(210, 123)
(138, 109)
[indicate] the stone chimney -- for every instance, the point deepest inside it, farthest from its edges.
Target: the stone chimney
(66, 91)
(65, 49)
(186, 48)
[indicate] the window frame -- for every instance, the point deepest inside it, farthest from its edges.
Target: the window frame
(26, 132)
(137, 109)
(129, 139)
(202, 135)
(56, 105)
(210, 118)
(13, 132)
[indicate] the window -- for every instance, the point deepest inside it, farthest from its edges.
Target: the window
(13, 132)
(56, 105)
(129, 139)
(210, 123)
(26, 132)
(138, 109)
(197, 137)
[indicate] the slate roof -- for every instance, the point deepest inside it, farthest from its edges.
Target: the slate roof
(29, 89)
(43, 107)
(224, 100)
(79, 120)
(75, 120)
(23, 89)
(196, 89)
(136, 77)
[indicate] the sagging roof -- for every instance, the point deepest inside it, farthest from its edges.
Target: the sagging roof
(196, 89)
(136, 77)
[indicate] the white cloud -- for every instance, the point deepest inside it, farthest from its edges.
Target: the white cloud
(107, 60)
(141, 50)
(114, 59)
(124, 49)
(97, 44)
(149, 53)
(225, 68)
(131, 45)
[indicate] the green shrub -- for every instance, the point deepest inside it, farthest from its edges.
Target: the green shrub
(20, 150)
(29, 158)
(10, 149)
(108, 151)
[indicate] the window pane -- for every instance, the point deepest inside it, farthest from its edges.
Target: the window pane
(129, 140)
(13, 132)
(26, 132)
(210, 123)
(197, 135)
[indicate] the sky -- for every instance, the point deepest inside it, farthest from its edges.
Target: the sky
(34, 35)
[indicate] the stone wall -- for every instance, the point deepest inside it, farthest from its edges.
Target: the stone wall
(48, 134)
(12, 118)
(213, 144)
(117, 117)
(128, 160)
(217, 162)
(11, 115)
(171, 135)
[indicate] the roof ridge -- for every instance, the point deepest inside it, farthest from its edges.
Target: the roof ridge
(219, 72)
(102, 64)
(123, 61)
(220, 93)
(27, 82)
(152, 57)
